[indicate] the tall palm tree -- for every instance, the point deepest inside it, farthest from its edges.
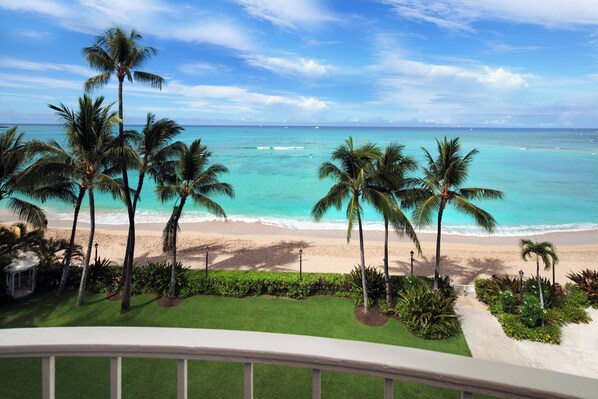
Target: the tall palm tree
(119, 53)
(16, 237)
(390, 169)
(92, 150)
(441, 186)
(543, 250)
(14, 155)
(156, 150)
(355, 181)
(193, 177)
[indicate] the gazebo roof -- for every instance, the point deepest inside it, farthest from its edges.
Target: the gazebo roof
(22, 263)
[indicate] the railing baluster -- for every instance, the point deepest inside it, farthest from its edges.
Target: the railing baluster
(182, 379)
(388, 388)
(48, 377)
(116, 377)
(466, 395)
(316, 386)
(248, 383)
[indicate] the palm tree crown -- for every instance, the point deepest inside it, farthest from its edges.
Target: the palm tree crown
(542, 250)
(441, 185)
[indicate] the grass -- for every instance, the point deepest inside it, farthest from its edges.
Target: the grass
(318, 316)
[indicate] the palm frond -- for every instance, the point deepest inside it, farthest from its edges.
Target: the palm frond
(28, 212)
(482, 218)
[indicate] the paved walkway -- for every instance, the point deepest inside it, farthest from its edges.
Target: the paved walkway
(577, 353)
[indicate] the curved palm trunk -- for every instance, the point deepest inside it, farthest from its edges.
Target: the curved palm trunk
(130, 251)
(438, 235)
(177, 216)
(363, 280)
(92, 229)
(69, 251)
(386, 273)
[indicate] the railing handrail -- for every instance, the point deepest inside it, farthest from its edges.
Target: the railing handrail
(387, 361)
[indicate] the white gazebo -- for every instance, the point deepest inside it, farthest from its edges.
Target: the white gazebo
(20, 275)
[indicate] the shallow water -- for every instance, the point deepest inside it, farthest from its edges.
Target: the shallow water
(549, 176)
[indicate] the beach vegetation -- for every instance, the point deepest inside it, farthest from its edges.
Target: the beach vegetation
(587, 282)
(192, 177)
(441, 186)
(541, 250)
(391, 171)
(375, 283)
(14, 157)
(427, 313)
(88, 159)
(528, 319)
(119, 53)
(354, 182)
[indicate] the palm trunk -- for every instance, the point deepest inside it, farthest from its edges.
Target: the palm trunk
(92, 229)
(126, 262)
(553, 275)
(438, 235)
(363, 280)
(139, 187)
(539, 285)
(386, 273)
(69, 251)
(130, 251)
(174, 233)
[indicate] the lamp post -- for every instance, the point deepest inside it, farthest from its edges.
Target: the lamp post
(207, 258)
(412, 253)
(520, 286)
(300, 264)
(96, 256)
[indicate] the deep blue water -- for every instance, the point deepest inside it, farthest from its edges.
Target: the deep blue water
(550, 177)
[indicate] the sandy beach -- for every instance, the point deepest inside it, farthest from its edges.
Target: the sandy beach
(254, 246)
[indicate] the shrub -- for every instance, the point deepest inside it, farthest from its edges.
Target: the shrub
(514, 328)
(103, 277)
(532, 313)
(374, 280)
(155, 278)
(507, 301)
(531, 287)
(488, 290)
(587, 282)
(427, 313)
(556, 296)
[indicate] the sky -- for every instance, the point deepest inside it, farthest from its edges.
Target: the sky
(484, 63)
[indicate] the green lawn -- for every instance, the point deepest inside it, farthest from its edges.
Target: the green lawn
(146, 378)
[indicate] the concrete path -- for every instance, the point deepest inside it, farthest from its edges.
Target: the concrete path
(577, 354)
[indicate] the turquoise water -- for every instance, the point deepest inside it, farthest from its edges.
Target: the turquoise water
(550, 177)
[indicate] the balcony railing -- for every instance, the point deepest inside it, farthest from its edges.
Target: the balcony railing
(385, 361)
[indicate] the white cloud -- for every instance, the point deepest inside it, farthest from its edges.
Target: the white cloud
(460, 14)
(14, 63)
(203, 68)
(185, 22)
(288, 14)
(502, 78)
(297, 66)
(312, 104)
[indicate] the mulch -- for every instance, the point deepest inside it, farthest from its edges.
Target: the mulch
(373, 318)
(114, 296)
(165, 302)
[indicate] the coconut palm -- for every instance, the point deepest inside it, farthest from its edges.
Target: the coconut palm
(156, 150)
(119, 53)
(390, 169)
(51, 251)
(193, 177)
(17, 237)
(543, 250)
(92, 151)
(355, 181)
(14, 155)
(441, 186)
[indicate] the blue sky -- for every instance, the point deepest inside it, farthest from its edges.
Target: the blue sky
(494, 63)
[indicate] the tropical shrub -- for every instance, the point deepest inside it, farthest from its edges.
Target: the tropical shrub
(488, 290)
(155, 278)
(374, 280)
(587, 282)
(531, 287)
(513, 327)
(103, 277)
(427, 313)
(532, 313)
(507, 301)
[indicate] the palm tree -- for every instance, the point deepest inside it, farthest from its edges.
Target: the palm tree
(117, 53)
(49, 251)
(16, 237)
(193, 177)
(441, 186)
(543, 250)
(390, 169)
(355, 180)
(14, 155)
(156, 150)
(92, 151)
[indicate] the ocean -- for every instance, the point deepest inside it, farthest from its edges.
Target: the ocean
(549, 176)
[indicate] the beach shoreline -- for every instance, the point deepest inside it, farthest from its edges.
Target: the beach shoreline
(259, 247)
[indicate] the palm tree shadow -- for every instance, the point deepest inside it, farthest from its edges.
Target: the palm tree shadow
(270, 257)
(466, 275)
